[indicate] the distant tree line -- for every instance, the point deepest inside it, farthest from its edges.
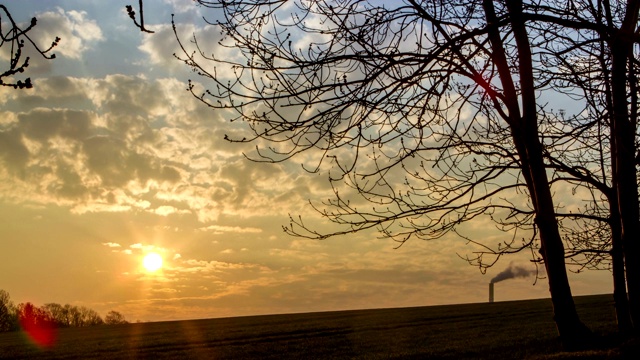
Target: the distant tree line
(13, 317)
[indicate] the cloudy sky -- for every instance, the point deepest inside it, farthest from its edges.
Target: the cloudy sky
(109, 158)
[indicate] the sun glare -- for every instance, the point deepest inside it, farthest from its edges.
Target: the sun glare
(152, 262)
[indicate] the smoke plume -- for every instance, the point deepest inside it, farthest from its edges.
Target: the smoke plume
(513, 271)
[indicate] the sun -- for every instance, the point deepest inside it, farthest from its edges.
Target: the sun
(152, 262)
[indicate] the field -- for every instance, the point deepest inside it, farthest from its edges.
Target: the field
(508, 330)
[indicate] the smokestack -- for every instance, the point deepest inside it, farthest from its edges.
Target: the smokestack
(513, 271)
(490, 292)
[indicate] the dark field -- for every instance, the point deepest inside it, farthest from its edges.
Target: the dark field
(507, 330)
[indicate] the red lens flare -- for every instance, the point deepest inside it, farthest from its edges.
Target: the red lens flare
(40, 329)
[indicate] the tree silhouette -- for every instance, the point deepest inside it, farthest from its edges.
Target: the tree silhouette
(114, 318)
(8, 319)
(42, 321)
(72, 316)
(14, 39)
(598, 66)
(429, 114)
(621, 41)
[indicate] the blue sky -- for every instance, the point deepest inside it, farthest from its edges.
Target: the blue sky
(108, 158)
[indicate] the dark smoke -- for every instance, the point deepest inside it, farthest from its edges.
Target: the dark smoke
(513, 271)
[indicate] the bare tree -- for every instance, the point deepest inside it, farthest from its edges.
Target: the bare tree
(592, 236)
(599, 66)
(59, 314)
(72, 316)
(90, 317)
(114, 318)
(624, 120)
(14, 39)
(8, 320)
(427, 114)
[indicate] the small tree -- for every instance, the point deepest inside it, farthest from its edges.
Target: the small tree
(90, 317)
(59, 314)
(8, 320)
(114, 318)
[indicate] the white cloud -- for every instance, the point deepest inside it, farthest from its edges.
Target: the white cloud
(77, 32)
(7, 119)
(166, 210)
(181, 6)
(160, 46)
(235, 229)
(86, 29)
(126, 143)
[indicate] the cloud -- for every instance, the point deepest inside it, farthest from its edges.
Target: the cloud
(162, 47)
(166, 210)
(138, 246)
(127, 143)
(236, 229)
(165, 290)
(42, 124)
(78, 33)
(112, 245)
(181, 6)
(81, 155)
(338, 278)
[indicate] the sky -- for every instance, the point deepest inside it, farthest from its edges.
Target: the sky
(108, 158)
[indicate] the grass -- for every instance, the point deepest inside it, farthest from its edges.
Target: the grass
(503, 330)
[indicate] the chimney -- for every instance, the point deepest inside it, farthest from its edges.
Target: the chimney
(490, 292)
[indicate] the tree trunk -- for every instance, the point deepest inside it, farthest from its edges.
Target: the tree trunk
(621, 303)
(524, 130)
(627, 196)
(623, 128)
(571, 330)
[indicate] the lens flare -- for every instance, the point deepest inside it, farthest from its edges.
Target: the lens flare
(38, 326)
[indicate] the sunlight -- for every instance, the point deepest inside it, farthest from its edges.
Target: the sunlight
(152, 262)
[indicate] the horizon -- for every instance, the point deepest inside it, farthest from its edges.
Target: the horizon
(383, 308)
